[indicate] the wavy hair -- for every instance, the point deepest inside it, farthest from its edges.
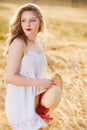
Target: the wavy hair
(15, 29)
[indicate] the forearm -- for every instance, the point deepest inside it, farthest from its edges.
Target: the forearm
(21, 80)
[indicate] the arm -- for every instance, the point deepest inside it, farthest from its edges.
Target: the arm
(16, 51)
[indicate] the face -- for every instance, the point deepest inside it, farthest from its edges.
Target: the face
(30, 23)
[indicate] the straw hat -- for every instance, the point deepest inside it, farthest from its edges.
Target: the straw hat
(52, 96)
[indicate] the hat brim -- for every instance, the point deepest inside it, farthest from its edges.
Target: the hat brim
(52, 96)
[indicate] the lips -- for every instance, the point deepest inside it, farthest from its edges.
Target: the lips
(28, 29)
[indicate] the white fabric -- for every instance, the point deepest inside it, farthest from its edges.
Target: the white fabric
(20, 101)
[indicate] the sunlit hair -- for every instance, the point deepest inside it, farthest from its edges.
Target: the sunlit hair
(15, 29)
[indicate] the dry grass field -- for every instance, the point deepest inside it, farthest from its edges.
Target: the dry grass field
(66, 51)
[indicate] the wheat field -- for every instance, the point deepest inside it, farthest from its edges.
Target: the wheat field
(66, 51)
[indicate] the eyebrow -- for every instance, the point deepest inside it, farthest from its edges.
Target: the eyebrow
(29, 18)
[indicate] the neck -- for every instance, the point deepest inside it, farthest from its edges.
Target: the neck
(32, 39)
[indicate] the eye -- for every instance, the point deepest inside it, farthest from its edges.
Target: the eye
(33, 20)
(23, 20)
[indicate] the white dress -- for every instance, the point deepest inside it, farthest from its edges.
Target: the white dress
(20, 101)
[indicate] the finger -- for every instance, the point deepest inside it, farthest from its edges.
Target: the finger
(53, 82)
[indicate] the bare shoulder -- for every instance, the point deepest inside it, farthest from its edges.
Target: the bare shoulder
(41, 44)
(17, 48)
(17, 44)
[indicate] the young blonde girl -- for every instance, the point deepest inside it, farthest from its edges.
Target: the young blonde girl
(26, 67)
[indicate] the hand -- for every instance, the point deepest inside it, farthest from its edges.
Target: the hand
(45, 83)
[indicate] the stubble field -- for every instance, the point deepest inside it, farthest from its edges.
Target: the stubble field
(66, 51)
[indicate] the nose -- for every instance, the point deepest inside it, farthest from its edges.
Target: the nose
(28, 23)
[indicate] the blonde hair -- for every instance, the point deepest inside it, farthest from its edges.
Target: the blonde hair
(15, 29)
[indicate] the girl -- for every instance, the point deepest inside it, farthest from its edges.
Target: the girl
(26, 67)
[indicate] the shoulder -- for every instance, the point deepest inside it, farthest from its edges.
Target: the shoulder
(17, 44)
(40, 42)
(17, 48)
